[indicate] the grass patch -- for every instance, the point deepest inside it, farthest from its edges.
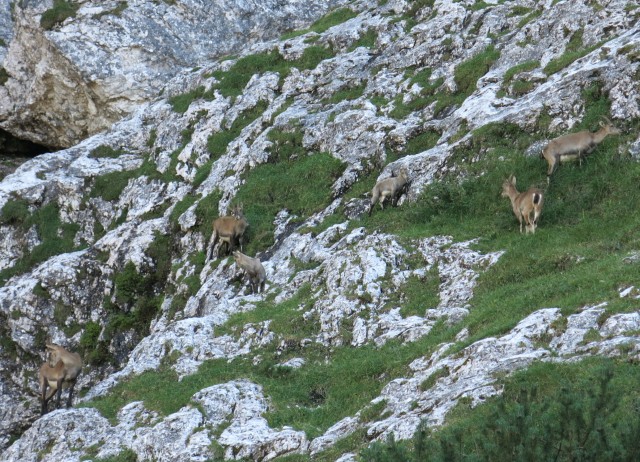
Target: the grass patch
(180, 103)
(426, 96)
(231, 83)
(339, 16)
(292, 180)
(519, 87)
(217, 142)
(311, 398)
(366, 40)
(104, 151)
(346, 94)
(466, 76)
(4, 76)
(56, 237)
(61, 10)
(422, 142)
(575, 50)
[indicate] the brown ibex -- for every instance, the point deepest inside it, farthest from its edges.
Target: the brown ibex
(229, 230)
(389, 187)
(254, 270)
(61, 369)
(575, 145)
(524, 203)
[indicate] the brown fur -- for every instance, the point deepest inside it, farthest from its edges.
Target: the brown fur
(61, 369)
(575, 145)
(524, 204)
(229, 230)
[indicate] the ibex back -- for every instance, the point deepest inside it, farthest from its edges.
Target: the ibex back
(392, 187)
(575, 145)
(229, 230)
(524, 204)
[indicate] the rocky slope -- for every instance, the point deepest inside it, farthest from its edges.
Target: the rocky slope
(123, 276)
(68, 76)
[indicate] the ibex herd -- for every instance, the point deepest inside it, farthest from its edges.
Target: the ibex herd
(63, 367)
(573, 146)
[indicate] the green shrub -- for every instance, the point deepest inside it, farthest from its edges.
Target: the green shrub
(61, 10)
(584, 411)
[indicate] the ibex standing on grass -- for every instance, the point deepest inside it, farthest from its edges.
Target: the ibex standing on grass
(575, 145)
(61, 369)
(389, 187)
(229, 230)
(254, 270)
(524, 203)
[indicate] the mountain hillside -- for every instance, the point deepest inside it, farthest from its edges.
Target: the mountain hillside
(428, 330)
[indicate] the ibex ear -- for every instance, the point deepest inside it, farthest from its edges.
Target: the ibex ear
(512, 179)
(50, 347)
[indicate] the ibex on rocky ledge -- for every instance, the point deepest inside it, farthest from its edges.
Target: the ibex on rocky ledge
(61, 369)
(229, 230)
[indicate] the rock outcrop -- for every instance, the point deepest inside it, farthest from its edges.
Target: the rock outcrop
(67, 80)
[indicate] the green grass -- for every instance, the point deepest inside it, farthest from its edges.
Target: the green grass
(231, 83)
(104, 151)
(4, 76)
(310, 398)
(426, 97)
(61, 10)
(575, 50)
(366, 40)
(180, 103)
(56, 236)
(217, 142)
(346, 94)
(293, 179)
(323, 24)
(466, 76)
(519, 87)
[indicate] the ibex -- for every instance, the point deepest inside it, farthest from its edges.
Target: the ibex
(61, 369)
(229, 230)
(253, 269)
(389, 187)
(524, 203)
(575, 145)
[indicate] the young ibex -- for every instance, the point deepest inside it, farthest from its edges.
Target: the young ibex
(253, 269)
(389, 187)
(52, 378)
(61, 369)
(575, 145)
(229, 230)
(524, 203)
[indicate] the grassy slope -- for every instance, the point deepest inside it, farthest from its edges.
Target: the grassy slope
(588, 226)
